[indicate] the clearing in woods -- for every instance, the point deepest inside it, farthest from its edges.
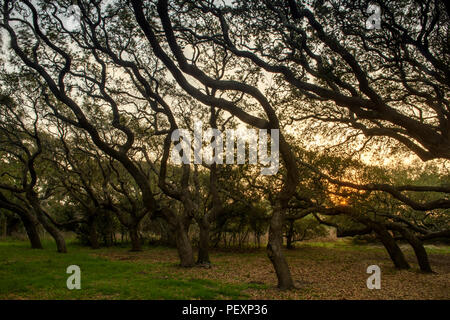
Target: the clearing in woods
(322, 270)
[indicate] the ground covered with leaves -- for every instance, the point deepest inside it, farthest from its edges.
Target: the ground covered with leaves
(322, 270)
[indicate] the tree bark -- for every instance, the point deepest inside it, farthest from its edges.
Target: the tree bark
(3, 225)
(391, 246)
(184, 246)
(29, 221)
(203, 243)
(47, 224)
(274, 250)
(289, 235)
(135, 240)
(54, 232)
(30, 225)
(179, 226)
(109, 232)
(93, 234)
(419, 250)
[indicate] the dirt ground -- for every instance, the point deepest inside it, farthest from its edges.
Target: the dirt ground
(320, 272)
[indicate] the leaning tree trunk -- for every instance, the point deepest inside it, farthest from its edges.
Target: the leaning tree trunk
(203, 243)
(274, 250)
(54, 232)
(419, 250)
(47, 224)
(275, 244)
(391, 246)
(30, 224)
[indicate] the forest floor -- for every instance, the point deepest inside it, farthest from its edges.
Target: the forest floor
(322, 270)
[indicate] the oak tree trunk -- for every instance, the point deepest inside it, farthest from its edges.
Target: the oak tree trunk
(203, 243)
(135, 239)
(93, 234)
(3, 224)
(46, 223)
(274, 250)
(419, 250)
(184, 246)
(30, 225)
(53, 230)
(290, 235)
(392, 248)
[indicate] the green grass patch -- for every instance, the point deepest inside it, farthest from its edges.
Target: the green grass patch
(344, 244)
(41, 274)
(437, 250)
(339, 244)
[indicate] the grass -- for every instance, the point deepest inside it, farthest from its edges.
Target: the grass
(437, 250)
(338, 244)
(322, 270)
(31, 274)
(345, 244)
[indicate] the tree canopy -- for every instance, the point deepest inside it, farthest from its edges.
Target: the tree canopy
(89, 104)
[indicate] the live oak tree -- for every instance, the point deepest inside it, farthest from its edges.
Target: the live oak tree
(23, 144)
(80, 177)
(391, 82)
(376, 211)
(374, 102)
(118, 71)
(63, 76)
(274, 247)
